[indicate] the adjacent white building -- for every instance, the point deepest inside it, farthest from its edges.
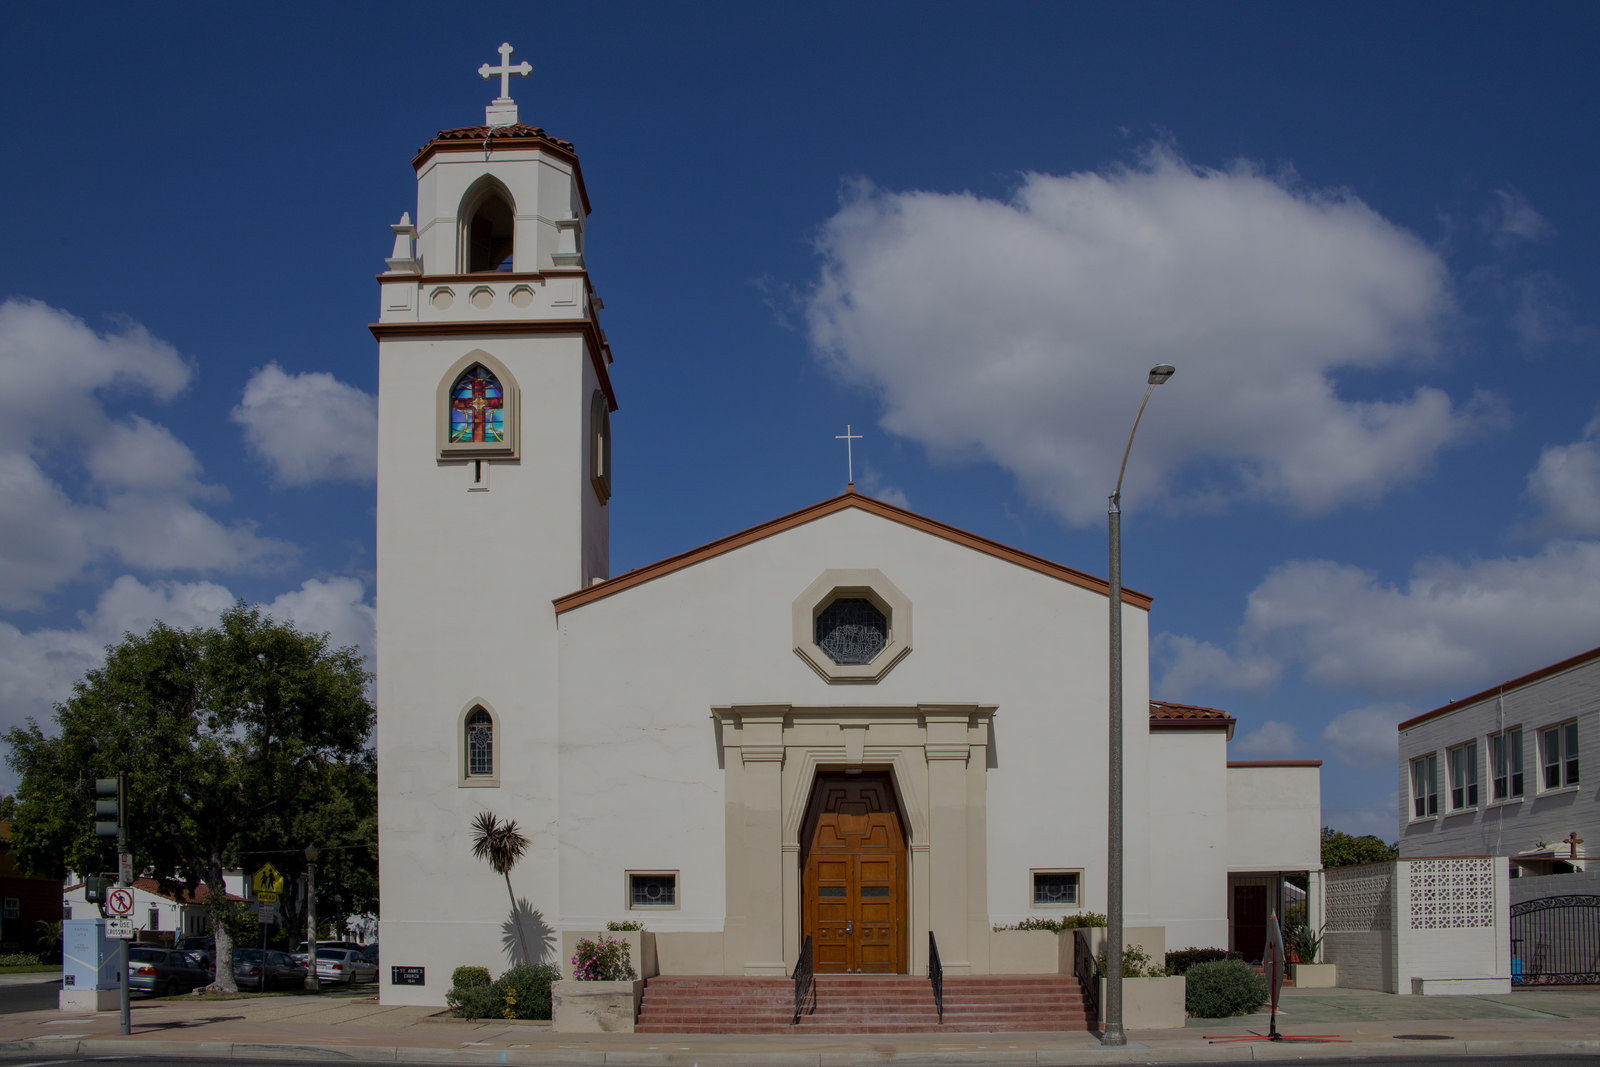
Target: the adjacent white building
(1500, 772)
(852, 724)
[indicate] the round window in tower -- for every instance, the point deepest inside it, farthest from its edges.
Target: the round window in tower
(851, 630)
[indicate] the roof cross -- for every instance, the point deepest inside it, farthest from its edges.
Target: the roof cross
(1572, 841)
(849, 455)
(505, 70)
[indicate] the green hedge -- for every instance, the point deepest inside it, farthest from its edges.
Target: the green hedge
(521, 993)
(1180, 960)
(1217, 989)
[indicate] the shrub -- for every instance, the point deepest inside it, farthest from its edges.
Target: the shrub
(626, 924)
(602, 960)
(1180, 961)
(523, 992)
(469, 977)
(1136, 963)
(1304, 943)
(1217, 989)
(19, 959)
(1055, 926)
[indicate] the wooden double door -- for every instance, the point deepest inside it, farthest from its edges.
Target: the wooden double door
(854, 884)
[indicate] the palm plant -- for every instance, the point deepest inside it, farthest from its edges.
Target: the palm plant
(502, 845)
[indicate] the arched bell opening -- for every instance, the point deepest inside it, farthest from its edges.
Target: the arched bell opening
(488, 228)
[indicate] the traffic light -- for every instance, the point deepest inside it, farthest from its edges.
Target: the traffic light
(94, 889)
(110, 806)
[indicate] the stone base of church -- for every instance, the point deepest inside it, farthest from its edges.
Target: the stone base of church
(594, 1007)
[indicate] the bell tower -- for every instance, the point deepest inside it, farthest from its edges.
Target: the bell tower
(494, 481)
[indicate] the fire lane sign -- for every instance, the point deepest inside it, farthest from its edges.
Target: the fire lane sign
(120, 902)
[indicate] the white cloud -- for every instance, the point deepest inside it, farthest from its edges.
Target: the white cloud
(1510, 219)
(39, 667)
(1020, 331)
(1367, 737)
(310, 427)
(1464, 625)
(1271, 740)
(1566, 485)
(1189, 665)
(874, 484)
(137, 504)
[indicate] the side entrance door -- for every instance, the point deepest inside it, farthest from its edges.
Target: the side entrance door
(854, 883)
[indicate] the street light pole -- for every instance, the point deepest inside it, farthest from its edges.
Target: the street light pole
(1113, 1034)
(312, 983)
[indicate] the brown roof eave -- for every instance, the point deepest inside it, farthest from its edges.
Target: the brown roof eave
(1515, 683)
(848, 499)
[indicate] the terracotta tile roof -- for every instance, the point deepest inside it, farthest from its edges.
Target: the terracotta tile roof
(1166, 710)
(498, 133)
(1165, 715)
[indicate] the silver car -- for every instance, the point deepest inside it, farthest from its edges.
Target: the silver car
(344, 965)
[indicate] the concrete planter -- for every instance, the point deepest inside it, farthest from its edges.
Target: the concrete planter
(1024, 952)
(1150, 1003)
(594, 1007)
(1314, 975)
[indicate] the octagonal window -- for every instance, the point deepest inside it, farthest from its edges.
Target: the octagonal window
(852, 630)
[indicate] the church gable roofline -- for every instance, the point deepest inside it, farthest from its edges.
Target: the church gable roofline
(494, 138)
(848, 499)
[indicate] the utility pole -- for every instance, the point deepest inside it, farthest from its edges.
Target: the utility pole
(112, 799)
(312, 982)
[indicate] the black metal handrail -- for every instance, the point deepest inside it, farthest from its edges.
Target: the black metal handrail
(1088, 972)
(936, 975)
(802, 981)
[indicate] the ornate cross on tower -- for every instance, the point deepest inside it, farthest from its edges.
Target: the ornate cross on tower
(849, 455)
(503, 111)
(1572, 842)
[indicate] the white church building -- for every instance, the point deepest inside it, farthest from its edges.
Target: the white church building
(853, 723)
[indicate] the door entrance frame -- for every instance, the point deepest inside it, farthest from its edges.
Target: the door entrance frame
(828, 778)
(938, 757)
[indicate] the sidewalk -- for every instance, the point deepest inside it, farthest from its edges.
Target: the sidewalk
(358, 1028)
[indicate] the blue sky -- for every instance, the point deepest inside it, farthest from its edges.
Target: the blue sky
(1362, 233)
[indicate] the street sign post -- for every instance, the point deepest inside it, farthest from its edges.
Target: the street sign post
(119, 902)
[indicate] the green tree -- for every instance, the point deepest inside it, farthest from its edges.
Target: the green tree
(223, 730)
(1340, 849)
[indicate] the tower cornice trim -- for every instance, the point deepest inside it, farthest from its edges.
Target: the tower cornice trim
(594, 338)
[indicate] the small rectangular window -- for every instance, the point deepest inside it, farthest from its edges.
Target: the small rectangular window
(1464, 776)
(652, 889)
(1505, 757)
(1559, 754)
(1425, 786)
(155, 919)
(1056, 889)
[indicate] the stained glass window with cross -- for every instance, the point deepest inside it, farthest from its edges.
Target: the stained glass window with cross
(477, 407)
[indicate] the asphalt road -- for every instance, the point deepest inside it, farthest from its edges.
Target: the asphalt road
(185, 1061)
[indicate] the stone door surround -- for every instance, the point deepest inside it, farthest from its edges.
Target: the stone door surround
(937, 755)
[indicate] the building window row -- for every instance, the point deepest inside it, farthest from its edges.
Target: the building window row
(1558, 766)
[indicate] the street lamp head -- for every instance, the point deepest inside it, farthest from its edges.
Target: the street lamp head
(311, 853)
(1161, 372)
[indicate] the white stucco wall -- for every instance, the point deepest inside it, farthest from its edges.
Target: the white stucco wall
(1274, 816)
(642, 740)
(1187, 780)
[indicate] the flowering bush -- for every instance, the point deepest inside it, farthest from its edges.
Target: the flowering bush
(602, 960)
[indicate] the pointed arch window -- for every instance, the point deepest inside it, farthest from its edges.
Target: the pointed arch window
(479, 759)
(600, 445)
(477, 408)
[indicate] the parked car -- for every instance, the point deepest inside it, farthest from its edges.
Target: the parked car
(370, 954)
(303, 951)
(197, 943)
(344, 965)
(162, 972)
(255, 969)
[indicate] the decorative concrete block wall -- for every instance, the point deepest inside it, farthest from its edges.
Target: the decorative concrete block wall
(1430, 926)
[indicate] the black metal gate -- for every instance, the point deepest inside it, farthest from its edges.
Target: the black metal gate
(1556, 941)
